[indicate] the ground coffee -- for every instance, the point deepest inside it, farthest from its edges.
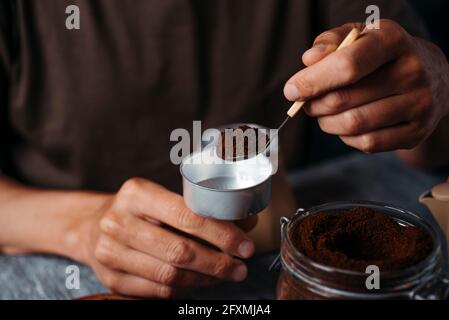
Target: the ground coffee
(360, 237)
(241, 137)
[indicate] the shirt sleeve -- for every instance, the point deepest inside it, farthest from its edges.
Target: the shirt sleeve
(333, 13)
(6, 34)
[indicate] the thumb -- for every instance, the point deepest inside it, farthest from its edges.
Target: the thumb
(328, 42)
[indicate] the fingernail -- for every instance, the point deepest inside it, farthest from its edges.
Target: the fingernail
(291, 92)
(240, 273)
(316, 49)
(246, 249)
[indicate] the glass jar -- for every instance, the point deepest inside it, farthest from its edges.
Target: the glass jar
(302, 278)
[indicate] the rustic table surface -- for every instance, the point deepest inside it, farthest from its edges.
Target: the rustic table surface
(357, 177)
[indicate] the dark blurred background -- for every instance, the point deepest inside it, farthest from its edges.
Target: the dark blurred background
(435, 14)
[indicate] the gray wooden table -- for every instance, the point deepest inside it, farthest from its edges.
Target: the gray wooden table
(357, 177)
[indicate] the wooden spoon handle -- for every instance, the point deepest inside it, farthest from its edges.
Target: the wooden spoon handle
(350, 38)
(295, 108)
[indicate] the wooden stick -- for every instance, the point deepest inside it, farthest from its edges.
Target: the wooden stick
(350, 38)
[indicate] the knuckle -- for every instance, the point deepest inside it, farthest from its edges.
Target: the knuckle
(228, 240)
(112, 281)
(387, 22)
(326, 34)
(353, 123)
(103, 252)
(304, 84)
(222, 267)
(391, 26)
(415, 65)
(180, 253)
(325, 37)
(348, 67)
(416, 70)
(110, 224)
(130, 188)
(165, 292)
(338, 100)
(368, 143)
(168, 275)
(186, 219)
(393, 31)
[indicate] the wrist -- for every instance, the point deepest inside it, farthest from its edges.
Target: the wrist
(78, 232)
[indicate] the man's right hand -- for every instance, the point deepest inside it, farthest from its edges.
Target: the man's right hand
(145, 242)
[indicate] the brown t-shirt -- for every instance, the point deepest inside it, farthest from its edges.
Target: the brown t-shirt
(90, 108)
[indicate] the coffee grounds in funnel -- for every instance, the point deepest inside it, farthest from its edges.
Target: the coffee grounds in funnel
(243, 143)
(360, 237)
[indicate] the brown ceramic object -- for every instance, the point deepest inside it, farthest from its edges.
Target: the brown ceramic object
(437, 200)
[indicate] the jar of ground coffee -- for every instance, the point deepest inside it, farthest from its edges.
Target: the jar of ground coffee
(360, 250)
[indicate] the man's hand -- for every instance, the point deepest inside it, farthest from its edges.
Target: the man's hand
(386, 91)
(145, 242)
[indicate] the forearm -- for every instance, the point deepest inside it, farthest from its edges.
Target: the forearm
(432, 153)
(44, 221)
